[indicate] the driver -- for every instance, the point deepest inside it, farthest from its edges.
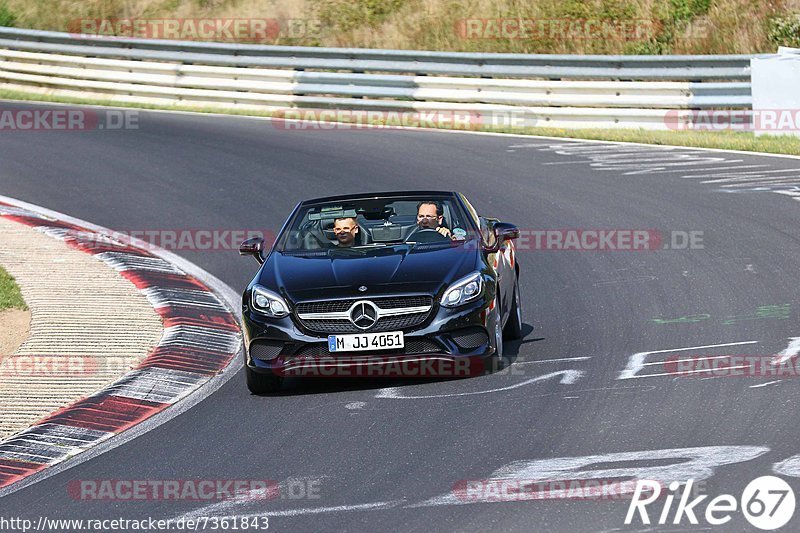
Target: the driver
(429, 216)
(345, 230)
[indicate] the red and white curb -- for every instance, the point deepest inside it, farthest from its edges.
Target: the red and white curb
(201, 341)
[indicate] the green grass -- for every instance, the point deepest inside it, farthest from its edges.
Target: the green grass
(7, 17)
(10, 297)
(722, 140)
(675, 26)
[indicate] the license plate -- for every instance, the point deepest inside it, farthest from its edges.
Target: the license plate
(365, 341)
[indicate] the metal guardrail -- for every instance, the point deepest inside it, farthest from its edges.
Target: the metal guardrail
(557, 90)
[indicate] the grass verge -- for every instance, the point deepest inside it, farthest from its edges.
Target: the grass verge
(10, 297)
(554, 26)
(722, 140)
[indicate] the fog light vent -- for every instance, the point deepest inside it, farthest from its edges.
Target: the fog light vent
(265, 350)
(470, 338)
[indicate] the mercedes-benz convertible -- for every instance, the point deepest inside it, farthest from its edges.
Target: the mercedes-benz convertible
(382, 284)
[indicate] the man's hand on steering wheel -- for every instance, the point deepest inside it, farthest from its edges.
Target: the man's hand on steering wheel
(445, 231)
(418, 234)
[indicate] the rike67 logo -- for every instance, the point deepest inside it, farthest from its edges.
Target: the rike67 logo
(767, 503)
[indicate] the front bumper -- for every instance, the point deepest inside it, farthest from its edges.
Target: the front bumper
(450, 343)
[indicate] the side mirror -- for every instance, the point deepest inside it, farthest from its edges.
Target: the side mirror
(254, 247)
(505, 231)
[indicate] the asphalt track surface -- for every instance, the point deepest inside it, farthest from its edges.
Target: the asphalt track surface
(377, 454)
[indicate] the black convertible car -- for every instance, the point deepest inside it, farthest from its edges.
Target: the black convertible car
(381, 284)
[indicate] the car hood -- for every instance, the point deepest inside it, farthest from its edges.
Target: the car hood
(339, 273)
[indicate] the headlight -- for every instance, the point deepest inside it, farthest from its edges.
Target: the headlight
(268, 303)
(464, 290)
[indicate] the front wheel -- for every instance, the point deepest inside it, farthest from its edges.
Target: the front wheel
(497, 358)
(513, 329)
(262, 383)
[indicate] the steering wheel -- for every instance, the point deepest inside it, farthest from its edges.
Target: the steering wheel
(311, 239)
(426, 235)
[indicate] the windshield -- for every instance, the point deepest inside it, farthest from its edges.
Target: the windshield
(375, 223)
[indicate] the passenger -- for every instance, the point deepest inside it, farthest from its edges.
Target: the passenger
(345, 230)
(429, 216)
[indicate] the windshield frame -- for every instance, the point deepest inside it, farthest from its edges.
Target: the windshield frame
(292, 221)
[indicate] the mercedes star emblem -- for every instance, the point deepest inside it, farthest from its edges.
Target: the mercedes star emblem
(363, 315)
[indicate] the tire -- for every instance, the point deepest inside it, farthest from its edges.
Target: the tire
(513, 329)
(497, 358)
(262, 383)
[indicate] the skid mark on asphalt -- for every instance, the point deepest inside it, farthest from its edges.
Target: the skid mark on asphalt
(715, 168)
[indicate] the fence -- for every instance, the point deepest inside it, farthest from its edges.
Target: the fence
(534, 90)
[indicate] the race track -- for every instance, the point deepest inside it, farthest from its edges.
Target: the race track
(386, 455)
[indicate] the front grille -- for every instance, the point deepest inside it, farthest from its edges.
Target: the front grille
(388, 323)
(470, 338)
(412, 346)
(265, 350)
(333, 306)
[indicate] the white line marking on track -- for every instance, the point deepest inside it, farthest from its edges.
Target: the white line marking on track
(686, 360)
(636, 361)
(336, 509)
(790, 351)
(552, 360)
(690, 372)
(735, 167)
(751, 174)
(194, 515)
(761, 182)
(662, 167)
(568, 377)
(764, 384)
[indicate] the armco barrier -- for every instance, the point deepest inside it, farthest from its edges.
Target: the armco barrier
(550, 90)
